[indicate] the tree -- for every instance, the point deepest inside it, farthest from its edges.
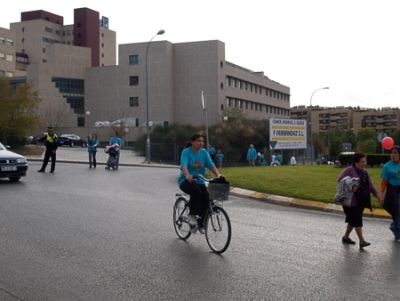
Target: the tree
(56, 114)
(367, 141)
(18, 107)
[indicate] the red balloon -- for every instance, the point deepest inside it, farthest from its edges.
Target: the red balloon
(387, 143)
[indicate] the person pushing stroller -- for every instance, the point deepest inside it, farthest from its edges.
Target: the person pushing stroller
(112, 151)
(115, 139)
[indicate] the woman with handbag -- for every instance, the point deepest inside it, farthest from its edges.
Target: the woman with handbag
(361, 198)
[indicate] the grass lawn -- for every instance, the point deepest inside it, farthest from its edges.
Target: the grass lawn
(308, 182)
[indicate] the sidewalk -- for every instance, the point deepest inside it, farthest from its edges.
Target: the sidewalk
(128, 158)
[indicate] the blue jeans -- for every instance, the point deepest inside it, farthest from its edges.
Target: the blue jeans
(92, 158)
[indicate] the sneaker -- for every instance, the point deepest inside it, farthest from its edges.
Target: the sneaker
(201, 230)
(192, 220)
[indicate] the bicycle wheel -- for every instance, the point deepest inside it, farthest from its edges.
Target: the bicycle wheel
(180, 214)
(218, 230)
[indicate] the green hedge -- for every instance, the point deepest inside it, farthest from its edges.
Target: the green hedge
(373, 159)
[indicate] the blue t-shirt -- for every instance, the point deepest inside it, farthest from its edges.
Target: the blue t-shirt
(92, 145)
(212, 151)
(391, 173)
(251, 154)
(116, 140)
(196, 163)
(220, 157)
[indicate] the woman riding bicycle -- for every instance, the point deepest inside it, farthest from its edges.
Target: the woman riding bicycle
(194, 160)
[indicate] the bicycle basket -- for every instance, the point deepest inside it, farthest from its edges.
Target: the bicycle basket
(218, 191)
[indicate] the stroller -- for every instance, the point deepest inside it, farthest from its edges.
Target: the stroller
(113, 152)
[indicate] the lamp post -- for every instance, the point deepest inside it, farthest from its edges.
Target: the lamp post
(204, 104)
(87, 115)
(312, 138)
(147, 100)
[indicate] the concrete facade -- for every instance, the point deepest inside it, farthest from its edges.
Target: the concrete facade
(83, 54)
(7, 52)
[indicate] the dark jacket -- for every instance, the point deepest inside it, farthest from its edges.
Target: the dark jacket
(352, 173)
(51, 142)
(391, 202)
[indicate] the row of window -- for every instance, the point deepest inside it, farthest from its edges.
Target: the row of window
(6, 73)
(250, 105)
(8, 42)
(241, 84)
(58, 32)
(7, 57)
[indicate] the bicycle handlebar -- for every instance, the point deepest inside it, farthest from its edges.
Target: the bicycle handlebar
(201, 177)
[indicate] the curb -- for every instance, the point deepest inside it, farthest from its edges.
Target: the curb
(305, 204)
(263, 197)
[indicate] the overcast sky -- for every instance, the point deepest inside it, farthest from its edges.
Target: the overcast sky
(350, 46)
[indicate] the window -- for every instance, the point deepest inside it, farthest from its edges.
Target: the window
(133, 101)
(134, 59)
(2, 40)
(48, 29)
(2, 56)
(10, 57)
(134, 80)
(9, 42)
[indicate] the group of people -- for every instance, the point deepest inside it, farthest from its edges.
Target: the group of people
(51, 144)
(216, 155)
(361, 188)
(195, 159)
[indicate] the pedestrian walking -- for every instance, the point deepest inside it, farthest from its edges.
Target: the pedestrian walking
(251, 155)
(220, 158)
(51, 147)
(391, 184)
(93, 143)
(360, 199)
(116, 139)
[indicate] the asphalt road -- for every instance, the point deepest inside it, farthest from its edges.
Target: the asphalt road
(92, 234)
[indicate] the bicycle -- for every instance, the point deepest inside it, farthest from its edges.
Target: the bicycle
(216, 223)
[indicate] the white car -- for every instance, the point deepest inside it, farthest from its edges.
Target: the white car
(12, 165)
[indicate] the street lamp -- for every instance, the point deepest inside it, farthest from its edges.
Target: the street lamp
(162, 31)
(312, 138)
(87, 115)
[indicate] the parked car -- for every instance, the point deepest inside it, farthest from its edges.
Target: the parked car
(35, 139)
(71, 140)
(12, 165)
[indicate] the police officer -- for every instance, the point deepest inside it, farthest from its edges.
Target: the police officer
(51, 147)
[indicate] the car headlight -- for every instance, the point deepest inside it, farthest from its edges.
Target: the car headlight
(22, 160)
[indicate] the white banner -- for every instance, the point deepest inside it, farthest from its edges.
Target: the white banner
(287, 133)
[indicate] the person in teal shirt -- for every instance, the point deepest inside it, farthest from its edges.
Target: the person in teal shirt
(194, 161)
(115, 139)
(390, 182)
(92, 143)
(219, 158)
(251, 155)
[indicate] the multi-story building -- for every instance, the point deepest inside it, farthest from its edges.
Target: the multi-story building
(321, 119)
(73, 69)
(7, 52)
